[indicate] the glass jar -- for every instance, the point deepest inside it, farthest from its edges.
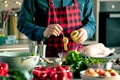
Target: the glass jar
(2, 36)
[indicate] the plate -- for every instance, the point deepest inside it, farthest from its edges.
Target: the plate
(85, 77)
(111, 55)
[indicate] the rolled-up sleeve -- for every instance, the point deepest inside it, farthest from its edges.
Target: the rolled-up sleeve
(87, 17)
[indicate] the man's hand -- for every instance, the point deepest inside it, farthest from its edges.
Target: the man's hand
(82, 36)
(79, 36)
(53, 29)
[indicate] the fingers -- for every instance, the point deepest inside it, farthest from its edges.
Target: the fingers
(57, 29)
(53, 29)
(79, 36)
(82, 36)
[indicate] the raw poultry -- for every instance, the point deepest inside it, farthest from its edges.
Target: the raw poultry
(96, 50)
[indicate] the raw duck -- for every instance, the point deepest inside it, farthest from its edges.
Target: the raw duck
(96, 50)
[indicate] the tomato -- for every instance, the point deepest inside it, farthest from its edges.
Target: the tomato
(54, 77)
(66, 67)
(4, 69)
(62, 74)
(52, 71)
(43, 76)
(4, 66)
(69, 75)
(1, 72)
(36, 73)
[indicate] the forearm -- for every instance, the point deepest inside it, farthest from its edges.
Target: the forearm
(88, 19)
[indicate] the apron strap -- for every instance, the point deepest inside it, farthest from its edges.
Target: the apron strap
(75, 1)
(51, 4)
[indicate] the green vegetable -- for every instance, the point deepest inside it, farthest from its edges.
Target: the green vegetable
(14, 75)
(77, 62)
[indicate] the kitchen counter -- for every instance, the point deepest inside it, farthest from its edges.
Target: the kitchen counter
(23, 45)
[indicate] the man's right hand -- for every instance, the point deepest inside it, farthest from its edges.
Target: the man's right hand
(53, 29)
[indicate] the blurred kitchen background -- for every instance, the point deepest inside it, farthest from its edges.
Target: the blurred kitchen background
(15, 41)
(107, 15)
(9, 14)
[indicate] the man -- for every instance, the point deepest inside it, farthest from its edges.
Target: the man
(50, 20)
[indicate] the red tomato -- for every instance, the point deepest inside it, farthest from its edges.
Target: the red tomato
(52, 71)
(1, 72)
(4, 69)
(4, 66)
(69, 75)
(36, 72)
(54, 77)
(62, 74)
(66, 67)
(43, 76)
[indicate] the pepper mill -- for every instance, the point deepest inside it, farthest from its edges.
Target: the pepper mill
(42, 49)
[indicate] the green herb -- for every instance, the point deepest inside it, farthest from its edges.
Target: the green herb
(77, 62)
(16, 75)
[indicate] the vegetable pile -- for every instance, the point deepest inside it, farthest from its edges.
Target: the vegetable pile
(77, 62)
(52, 73)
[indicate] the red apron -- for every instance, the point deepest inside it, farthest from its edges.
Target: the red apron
(69, 18)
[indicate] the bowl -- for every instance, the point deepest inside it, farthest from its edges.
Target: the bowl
(47, 62)
(110, 56)
(107, 58)
(85, 77)
(20, 61)
(52, 73)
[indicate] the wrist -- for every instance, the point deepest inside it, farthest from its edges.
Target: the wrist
(46, 35)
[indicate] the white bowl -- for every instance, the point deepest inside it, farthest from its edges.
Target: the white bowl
(20, 61)
(50, 62)
(85, 77)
